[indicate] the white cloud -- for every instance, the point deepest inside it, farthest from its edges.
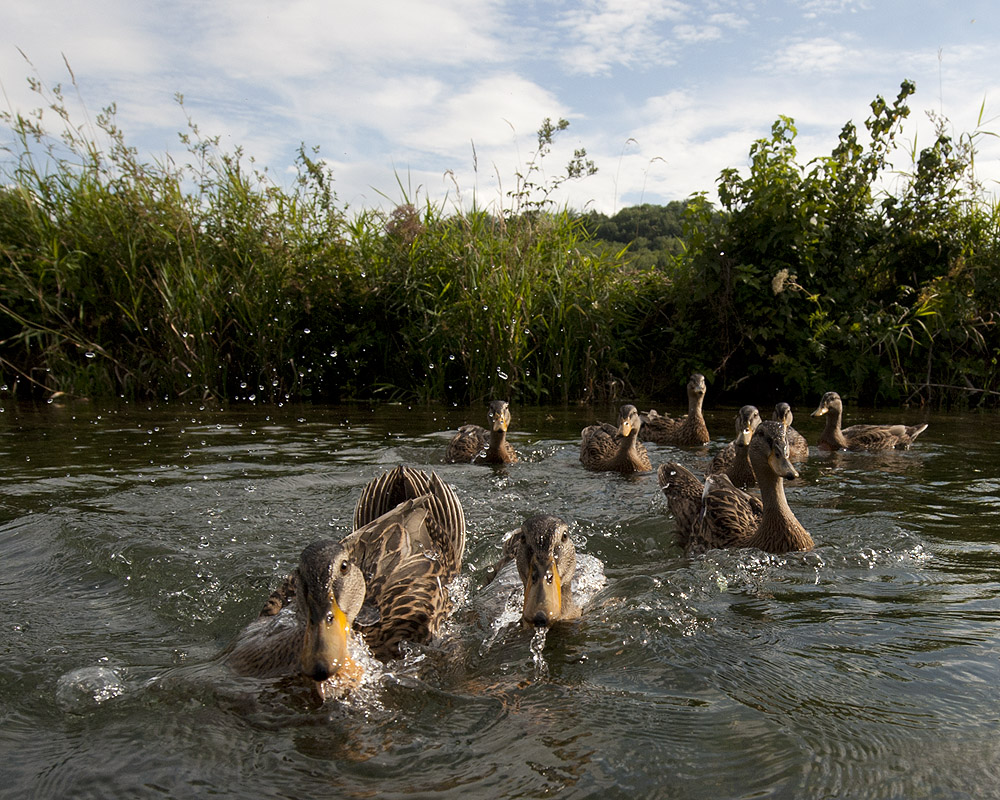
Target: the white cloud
(662, 93)
(606, 33)
(693, 34)
(822, 55)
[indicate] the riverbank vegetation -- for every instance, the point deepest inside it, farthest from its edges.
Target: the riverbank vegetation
(204, 279)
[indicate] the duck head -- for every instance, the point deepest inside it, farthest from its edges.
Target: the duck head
(329, 589)
(546, 562)
(628, 420)
(769, 450)
(829, 402)
(696, 386)
(499, 415)
(747, 420)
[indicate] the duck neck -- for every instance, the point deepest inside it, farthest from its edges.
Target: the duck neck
(629, 442)
(694, 404)
(498, 437)
(628, 451)
(832, 435)
(779, 531)
(694, 422)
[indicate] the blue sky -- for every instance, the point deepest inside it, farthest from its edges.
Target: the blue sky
(663, 94)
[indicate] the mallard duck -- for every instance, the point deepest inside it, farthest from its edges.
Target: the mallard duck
(733, 459)
(798, 447)
(686, 431)
(730, 517)
(546, 563)
(607, 449)
(474, 443)
(861, 437)
(385, 582)
(683, 492)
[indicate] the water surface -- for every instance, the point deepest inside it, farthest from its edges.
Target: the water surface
(136, 542)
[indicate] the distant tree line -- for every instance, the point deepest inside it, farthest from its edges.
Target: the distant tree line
(203, 279)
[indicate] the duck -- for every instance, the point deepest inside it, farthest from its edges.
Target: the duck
(733, 459)
(382, 584)
(731, 517)
(683, 491)
(798, 447)
(476, 444)
(545, 557)
(686, 431)
(604, 448)
(861, 437)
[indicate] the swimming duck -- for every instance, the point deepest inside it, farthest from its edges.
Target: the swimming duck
(473, 443)
(689, 430)
(683, 489)
(604, 448)
(734, 459)
(385, 582)
(798, 447)
(683, 492)
(546, 563)
(861, 437)
(730, 517)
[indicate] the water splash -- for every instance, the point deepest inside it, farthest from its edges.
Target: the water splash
(82, 689)
(537, 648)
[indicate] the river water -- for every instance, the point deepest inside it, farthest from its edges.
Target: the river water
(136, 542)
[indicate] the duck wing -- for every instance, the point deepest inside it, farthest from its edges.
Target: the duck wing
(729, 515)
(598, 445)
(407, 555)
(657, 428)
(723, 459)
(798, 447)
(683, 492)
(877, 437)
(468, 443)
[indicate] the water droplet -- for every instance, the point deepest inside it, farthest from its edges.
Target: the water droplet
(90, 354)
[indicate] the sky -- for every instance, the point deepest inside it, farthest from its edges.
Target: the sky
(440, 100)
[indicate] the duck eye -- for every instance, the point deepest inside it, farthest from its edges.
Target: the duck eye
(564, 537)
(344, 566)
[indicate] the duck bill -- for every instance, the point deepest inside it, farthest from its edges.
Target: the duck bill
(626, 427)
(746, 435)
(324, 646)
(542, 598)
(819, 412)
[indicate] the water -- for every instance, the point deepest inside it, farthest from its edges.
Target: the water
(136, 543)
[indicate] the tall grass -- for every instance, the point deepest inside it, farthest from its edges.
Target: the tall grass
(206, 279)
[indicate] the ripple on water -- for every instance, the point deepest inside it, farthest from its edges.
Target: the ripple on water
(867, 668)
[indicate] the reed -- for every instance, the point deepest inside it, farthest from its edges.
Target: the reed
(204, 279)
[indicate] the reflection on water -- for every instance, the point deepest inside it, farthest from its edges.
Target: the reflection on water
(136, 543)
